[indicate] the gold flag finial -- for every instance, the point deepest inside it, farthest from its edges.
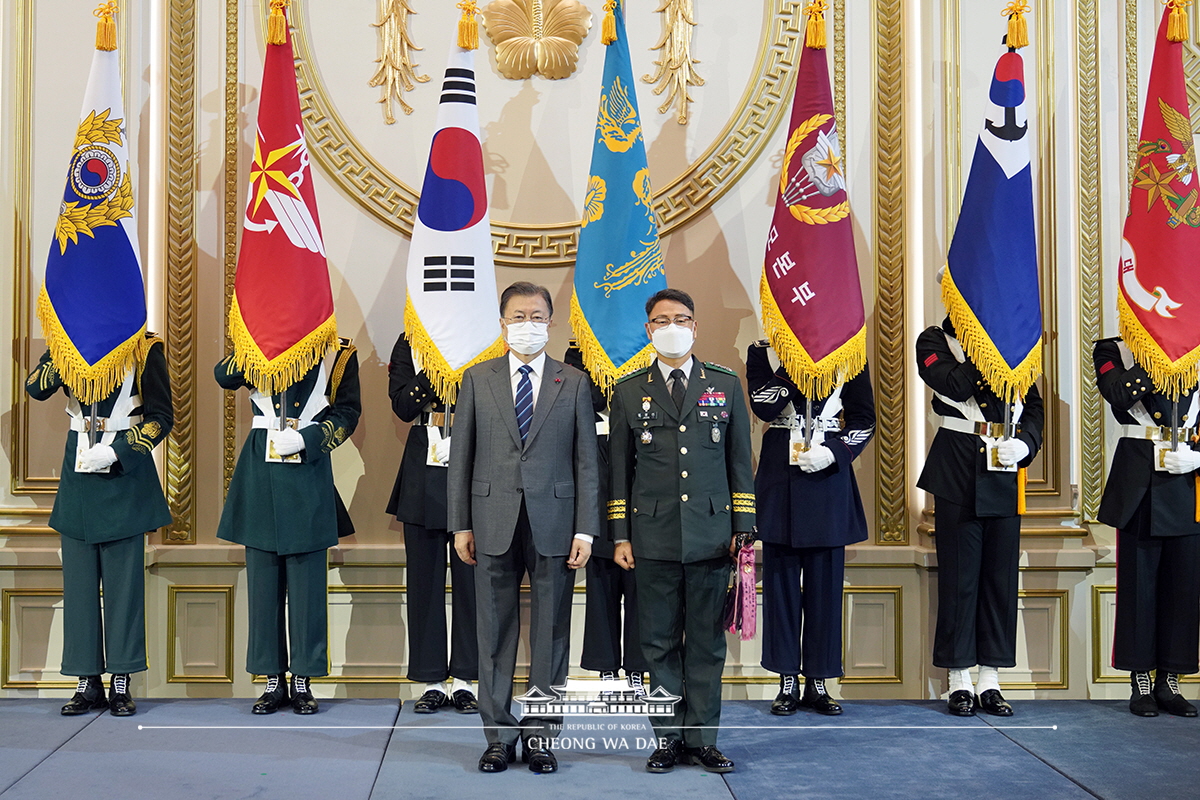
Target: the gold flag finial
(468, 25)
(1177, 24)
(1018, 28)
(608, 31)
(277, 23)
(814, 32)
(106, 29)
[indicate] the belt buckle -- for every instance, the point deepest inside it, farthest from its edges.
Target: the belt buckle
(293, 423)
(1163, 434)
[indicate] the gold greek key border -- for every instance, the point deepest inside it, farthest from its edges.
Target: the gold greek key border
(181, 288)
(173, 593)
(1091, 226)
(891, 370)
(229, 399)
(748, 132)
(1064, 643)
(6, 596)
(898, 634)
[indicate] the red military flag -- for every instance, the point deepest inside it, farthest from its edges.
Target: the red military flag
(1159, 300)
(811, 297)
(281, 318)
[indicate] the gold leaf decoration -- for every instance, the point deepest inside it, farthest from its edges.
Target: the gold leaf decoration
(98, 129)
(397, 72)
(537, 36)
(676, 70)
(618, 119)
(76, 218)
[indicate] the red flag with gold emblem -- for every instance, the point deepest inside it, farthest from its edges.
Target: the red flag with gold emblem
(811, 297)
(281, 319)
(1159, 301)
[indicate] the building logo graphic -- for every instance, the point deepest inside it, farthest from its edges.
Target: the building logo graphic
(563, 701)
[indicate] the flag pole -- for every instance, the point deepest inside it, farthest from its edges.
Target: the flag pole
(1174, 424)
(283, 409)
(808, 423)
(92, 427)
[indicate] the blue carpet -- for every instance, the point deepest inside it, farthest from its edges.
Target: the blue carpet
(929, 754)
(1109, 751)
(437, 758)
(31, 731)
(280, 756)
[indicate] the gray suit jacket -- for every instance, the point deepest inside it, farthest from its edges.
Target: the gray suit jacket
(555, 471)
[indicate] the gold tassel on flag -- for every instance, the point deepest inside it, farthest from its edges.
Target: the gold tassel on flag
(277, 23)
(1018, 28)
(106, 29)
(814, 32)
(468, 26)
(608, 30)
(1178, 23)
(1022, 480)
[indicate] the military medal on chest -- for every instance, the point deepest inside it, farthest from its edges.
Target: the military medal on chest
(647, 436)
(716, 433)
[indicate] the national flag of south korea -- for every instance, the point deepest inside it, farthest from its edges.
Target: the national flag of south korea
(451, 317)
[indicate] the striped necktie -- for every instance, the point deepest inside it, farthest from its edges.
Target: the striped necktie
(524, 401)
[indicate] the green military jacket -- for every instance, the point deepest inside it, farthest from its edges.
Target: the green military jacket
(128, 499)
(682, 482)
(292, 508)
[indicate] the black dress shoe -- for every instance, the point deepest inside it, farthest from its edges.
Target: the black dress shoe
(816, 698)
(665, 758)
(994, 703)
(303, 701)
(120, 704)
(961, 703)
(274, 698)
(464, 702)
(1168, 698)
(430, 702)
(89, 696)
(710, 758)
(1141, 701)
(539, 758)
(787, 702)
(497, 757)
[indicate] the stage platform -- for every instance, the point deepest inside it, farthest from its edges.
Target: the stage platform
(360, 749)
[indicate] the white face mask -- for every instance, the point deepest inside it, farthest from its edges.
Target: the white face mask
(673, 341)
(527, 337)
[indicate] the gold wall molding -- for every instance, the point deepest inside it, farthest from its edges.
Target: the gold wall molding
(1091, 226)
(224, 595)
(891, 352)
(181, 288)
(676, 67)
(229, 250)
(764, 103)
(397, 72)
(531, 42)
(839, 69)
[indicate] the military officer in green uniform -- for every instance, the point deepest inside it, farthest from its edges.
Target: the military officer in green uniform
(109, 497)
(682, 496)
(282, 505)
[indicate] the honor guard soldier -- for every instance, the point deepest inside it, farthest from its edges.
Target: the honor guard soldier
(1150, 498)
(607, 633)
(809, 509)
(282, 505)
(419, 502)
(972, 471)
(109, 497)
(682, 503)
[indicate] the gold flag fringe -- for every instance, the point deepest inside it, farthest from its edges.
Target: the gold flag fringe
(599, 364)
(1018, 28)
(1171, 378)
(271, 376)
(89, 383)
(814, 31)
(814, 379)
(1008, 382)
(106, 29)
(445, 378)
(277, 23)
(1177, 23)
(608, 30)
(468, 25)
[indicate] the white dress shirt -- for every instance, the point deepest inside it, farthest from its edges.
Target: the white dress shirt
(667, 370)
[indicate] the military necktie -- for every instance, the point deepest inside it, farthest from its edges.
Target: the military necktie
(678, 390)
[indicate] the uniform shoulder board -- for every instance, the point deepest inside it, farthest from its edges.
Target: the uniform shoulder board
(720, 368)
(152, 339)
(633, 374)
(762, 343)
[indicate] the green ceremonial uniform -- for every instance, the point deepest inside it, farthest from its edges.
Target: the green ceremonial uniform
(287, 515)
(102, 518)
(682, 485)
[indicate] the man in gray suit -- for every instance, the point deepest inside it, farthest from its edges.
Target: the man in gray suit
(523, 496)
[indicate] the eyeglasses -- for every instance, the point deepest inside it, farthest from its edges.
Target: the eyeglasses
(662, 322)
(517, 319)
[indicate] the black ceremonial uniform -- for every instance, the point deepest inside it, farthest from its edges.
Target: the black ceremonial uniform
(102, 518)
(978, 534)
(805, 520)
(682, 486)
(1158, 539)
(419, 501)
(607, 583)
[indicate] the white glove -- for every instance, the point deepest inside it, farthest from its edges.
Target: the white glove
(1181, 461)
(815, 458)
(97, 458)
(441, 450)
(288, 442)
(1011, 451)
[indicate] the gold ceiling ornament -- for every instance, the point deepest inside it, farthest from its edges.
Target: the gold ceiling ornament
(396, 71)
(537, 36)
(676, 70)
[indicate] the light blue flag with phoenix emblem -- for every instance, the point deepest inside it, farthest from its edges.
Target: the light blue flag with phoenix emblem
(619, 264)
(93, 304)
